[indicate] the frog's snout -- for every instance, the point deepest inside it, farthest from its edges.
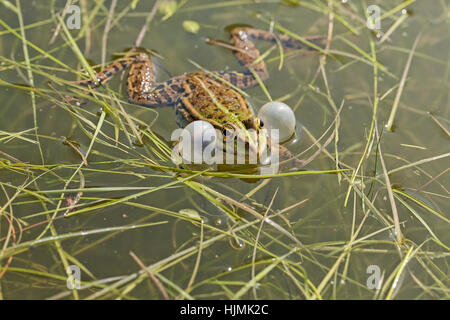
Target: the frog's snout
(257, 143)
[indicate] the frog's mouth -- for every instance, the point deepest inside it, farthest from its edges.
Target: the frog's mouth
(258, 142)
(248, 143)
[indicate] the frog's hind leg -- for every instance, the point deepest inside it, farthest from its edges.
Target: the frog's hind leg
(142, 88)
(247, 54)
(109, 71)
(287, 41)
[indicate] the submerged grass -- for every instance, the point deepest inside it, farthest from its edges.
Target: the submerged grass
(101, 193)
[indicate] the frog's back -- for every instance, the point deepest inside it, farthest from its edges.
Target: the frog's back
(210, 99)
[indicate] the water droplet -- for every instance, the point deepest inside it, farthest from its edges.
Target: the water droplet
(218, 222)
(237, 243)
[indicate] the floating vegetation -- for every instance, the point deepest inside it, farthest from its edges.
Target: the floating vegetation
(366, 217)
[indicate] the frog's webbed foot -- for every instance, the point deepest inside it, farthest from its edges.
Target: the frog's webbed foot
(108, 72)
(288, 162)
(281, 158)
(103, 76)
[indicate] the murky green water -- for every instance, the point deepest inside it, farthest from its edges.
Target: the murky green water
(322, 222)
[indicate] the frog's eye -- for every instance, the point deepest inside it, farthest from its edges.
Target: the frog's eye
(228, 132)
(259, 123)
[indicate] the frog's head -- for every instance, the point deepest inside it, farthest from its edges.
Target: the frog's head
(228, 111)
(249, 133)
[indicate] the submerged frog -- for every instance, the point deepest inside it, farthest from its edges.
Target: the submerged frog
(206, 96)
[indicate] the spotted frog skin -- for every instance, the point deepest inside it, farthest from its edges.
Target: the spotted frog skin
(201, 95)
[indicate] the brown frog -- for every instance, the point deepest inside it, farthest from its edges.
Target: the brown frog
(206, 96)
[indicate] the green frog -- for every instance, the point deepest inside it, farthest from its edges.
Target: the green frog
(211, 97)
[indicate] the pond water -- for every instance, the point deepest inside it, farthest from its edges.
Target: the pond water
(317, 241)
